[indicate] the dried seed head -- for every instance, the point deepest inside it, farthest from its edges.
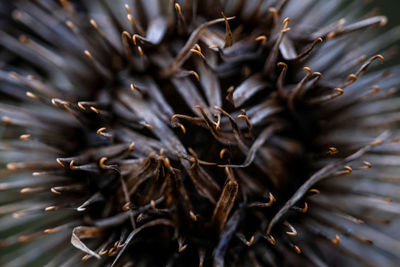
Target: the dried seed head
(208, 129)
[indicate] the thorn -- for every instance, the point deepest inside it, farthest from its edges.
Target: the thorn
(297, 249)
(167, 164)
(128, 9)
(330, 35)
(80, 105)
(25, 137)
(148, 126)
(103, 252)
(193, 216)
(60, 163)
(218, 123)
(318, 74)
(195, 75)
(80, 209)
(230, 93)
(222, 152)
(348, 168)
(303, 210)
(272, 199)
(367, 165)
(285, 24)
(54, 191)
(182, 248)
(246, 119)
(136, 26)
(126, 34)
(50, 208)
(251, 241)
(153, 205)
(353, 78)
(94, 109)
(25, 190)
(181, 19)
(139, 48)
(12, 166)
(52, 230)
(202, 254)
(271, 239)
(382, 59)
(263, 205)
(336, 241)
(274, 12)
(70, 25)
(376, 142)
(101, 131)
(101, 163)
(94, 24)
(292, 231)
(86, 258)
(197, 52)
(198, 48)
(130, 148)
(340, 91)
(314, 191)
(383, 21)
(6, 119)
(309, 71)
(174, 117)
(134, 39)
(31, 95)
(333, 150)
(54, 102)
(243, 239)
(71, 165)
(126, 206)
(88, 54)
(112, 252)
(178, 8)
(182, 127)
(262, 38)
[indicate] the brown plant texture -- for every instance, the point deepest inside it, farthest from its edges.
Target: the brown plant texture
(198, 133)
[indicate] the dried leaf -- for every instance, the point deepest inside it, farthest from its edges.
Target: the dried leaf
(225, 203)
(82, 232)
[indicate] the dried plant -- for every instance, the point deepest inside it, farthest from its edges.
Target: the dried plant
(197, 133)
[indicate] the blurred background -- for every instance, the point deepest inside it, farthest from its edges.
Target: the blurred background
(391, 9)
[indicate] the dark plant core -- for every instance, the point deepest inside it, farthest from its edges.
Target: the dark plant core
(185, 133)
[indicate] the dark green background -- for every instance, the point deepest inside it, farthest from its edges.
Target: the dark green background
(391, 9)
